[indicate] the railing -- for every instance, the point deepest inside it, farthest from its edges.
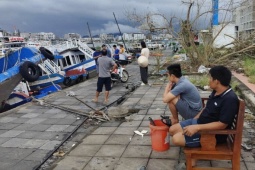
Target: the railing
(49, 67)
(85, 49)
(74, 43)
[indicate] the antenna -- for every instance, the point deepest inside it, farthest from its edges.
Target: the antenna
(120, 32)
(90, 36)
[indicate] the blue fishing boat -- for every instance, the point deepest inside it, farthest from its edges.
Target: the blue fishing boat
(17, 65)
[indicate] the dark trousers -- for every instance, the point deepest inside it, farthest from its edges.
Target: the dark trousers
(144, 74)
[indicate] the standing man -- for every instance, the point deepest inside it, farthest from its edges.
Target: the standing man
(96, 55)
(144, 70)
(109, 53)
(104, 78)
(116, 52)
(181, 96)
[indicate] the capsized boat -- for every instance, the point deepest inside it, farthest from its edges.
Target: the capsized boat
(16, 65)
(72, 63)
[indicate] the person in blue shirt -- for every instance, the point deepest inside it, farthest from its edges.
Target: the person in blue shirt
(116, 52)
(96, 55)
(181, 96)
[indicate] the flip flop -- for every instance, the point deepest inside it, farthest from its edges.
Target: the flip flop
(94, 100)
(167, 122)
(164, 117)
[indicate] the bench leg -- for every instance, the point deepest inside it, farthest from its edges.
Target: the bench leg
(236, 163)
(188, 162)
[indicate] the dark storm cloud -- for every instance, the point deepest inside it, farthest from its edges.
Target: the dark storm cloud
(65, 16)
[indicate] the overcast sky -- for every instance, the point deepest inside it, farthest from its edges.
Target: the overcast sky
(66, 16)
(71, 16)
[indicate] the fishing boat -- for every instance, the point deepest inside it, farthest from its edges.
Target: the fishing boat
(16, 65)
(73, 62)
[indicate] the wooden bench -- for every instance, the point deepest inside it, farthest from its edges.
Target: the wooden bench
(209, 150)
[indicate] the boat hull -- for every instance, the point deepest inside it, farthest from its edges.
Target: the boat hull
(10, 65)
(7, 87)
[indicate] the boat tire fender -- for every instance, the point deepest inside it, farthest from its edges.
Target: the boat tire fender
(29, 71)
(46, 53)
(87, 77)
(67, 81)
(79, 79)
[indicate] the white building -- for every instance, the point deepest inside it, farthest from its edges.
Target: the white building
(72, 36)
(225, 36)
(139, 36)
(127, 36)
(244, 17)
(39, 36)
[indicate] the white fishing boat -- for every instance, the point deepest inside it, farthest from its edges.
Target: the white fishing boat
(73, 61)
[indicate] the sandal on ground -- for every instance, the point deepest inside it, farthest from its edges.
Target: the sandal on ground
(167, 122)
(94, 100)
(164, 117)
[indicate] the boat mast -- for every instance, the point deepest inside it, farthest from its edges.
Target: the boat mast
(90, 35)
(120, 32)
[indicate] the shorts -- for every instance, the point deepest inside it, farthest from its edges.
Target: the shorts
(185, 110)
(104, 81)
(193, 141)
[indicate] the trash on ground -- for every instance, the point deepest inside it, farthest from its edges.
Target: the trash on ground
(140, 133)
(59, 153)
(246, 147)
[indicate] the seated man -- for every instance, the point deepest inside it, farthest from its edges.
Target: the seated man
(219, 112)
(181, 95)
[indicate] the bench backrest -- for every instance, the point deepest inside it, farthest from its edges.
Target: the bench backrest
(237, 125)
(235, 139)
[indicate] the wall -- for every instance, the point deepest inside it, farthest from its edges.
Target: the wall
(224, 36)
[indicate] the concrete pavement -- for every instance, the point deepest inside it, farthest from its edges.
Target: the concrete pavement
(30, 132)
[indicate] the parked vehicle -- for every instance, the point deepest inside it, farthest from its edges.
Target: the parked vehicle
(120, 74)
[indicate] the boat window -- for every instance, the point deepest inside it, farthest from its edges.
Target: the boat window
(73, 58)
(82, 58)
(68, 60)
(64, 62)
(60, 63)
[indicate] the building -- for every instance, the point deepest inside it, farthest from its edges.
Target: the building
(39, 36)
(244, 17)
(72, 36)
(224, 35)
(106, 37)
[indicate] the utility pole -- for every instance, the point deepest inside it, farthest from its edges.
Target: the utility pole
(215, 20)
(90, 36)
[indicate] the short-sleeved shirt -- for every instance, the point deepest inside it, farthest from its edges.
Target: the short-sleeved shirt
(145, 52)
(188, 92)
(105, 65)
(221, 108)
(122, 50)
(95, 54)
(116, 52)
